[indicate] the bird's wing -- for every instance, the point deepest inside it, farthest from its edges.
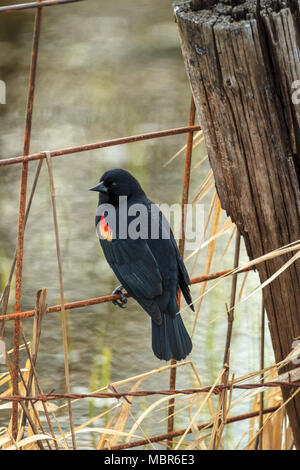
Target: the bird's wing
(136, 268)
(183, 278)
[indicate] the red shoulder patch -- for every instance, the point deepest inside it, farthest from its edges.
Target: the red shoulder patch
(105, 230)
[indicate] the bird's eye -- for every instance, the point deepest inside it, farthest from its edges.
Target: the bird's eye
(113, 184)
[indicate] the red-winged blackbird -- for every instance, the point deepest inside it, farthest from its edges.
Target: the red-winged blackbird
(150, 267)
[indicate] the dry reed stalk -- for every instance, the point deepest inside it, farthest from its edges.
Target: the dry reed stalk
(271, 417)
(5, 296)
(223, 408)
(230, 312)
(40, 307)
(242, 286)
(274, 276)
(259, 442)
(229, 241)
(226, 226)
(139, 379)
(122, 418)
(208, 261)
(24, 406)
(222, 401)
(61, 292)
(102, 440)
(180, 432)
(62, 434)
(197, 140)
(294, 246)
(32, 417)
(205, 187)
(200, 409)
(210, 210)
(200, 161)
(44, 405)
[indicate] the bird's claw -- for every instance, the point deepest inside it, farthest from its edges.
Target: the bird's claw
(123, 299)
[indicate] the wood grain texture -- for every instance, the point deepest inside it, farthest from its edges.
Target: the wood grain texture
(242, 62)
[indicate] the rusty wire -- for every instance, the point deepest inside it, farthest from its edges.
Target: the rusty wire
(100, 144)
(22, 210)
(180, 432)
(109, 298)
(216, 390)
(27, 6)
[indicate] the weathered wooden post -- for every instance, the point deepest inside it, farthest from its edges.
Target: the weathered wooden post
(243, 62)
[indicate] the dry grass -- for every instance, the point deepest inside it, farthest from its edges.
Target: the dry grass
(124, 426)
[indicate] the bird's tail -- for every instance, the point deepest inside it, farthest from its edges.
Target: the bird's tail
(170, 340)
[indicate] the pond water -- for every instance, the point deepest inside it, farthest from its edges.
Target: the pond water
(106, 70)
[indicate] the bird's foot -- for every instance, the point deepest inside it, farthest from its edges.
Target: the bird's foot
(123, 299)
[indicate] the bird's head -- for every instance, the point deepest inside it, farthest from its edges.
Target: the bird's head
(116, 183)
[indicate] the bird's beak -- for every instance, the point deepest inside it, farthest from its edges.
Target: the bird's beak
(101, 188)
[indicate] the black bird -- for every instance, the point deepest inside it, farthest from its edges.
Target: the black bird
(150, 268)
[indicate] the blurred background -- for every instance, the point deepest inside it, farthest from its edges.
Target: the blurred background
(106, 70)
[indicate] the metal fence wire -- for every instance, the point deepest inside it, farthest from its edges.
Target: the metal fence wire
(17, 316)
